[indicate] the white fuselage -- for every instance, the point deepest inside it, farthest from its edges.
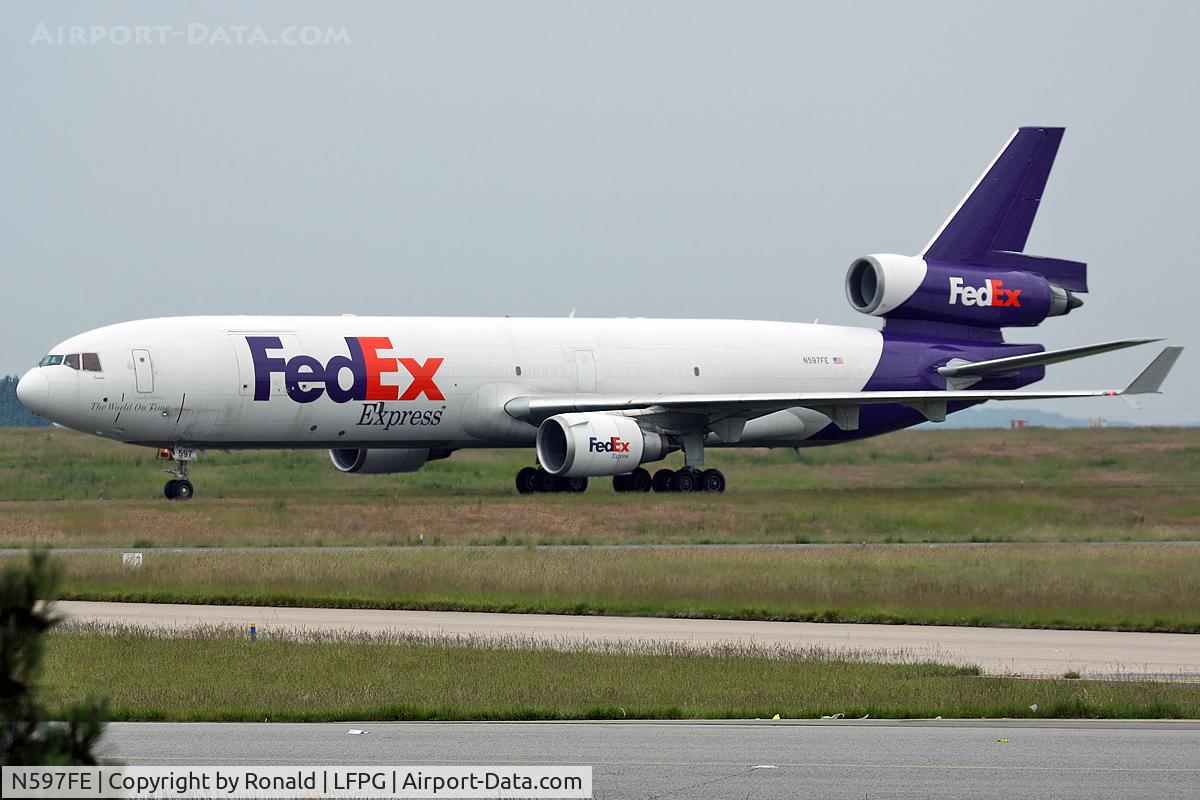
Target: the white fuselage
(194, 380)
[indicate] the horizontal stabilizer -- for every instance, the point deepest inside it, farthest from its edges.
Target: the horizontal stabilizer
(1152, 377)
(955, 370)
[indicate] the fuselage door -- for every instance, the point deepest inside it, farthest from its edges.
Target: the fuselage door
(143, 370)
(585, 367)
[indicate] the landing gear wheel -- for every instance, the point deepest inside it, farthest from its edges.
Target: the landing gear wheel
(622, 483)
(711, 480)
(575, 485)
(179, 487)
(684, 481)
(639, 480)
(547, 482)
(662, 480)
(527, 480)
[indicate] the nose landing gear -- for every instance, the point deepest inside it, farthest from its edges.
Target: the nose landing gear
(179, 487)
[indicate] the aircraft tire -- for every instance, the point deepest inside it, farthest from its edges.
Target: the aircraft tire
(184, 490)
(169, 489)
(547, 482)
(639, 480)
(527, 480)
(575, 485)
(711, 480)
(661, 482)
(684, 481)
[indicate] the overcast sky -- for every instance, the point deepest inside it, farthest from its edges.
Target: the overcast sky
(651, 159)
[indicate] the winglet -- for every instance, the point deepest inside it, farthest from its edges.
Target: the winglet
(1151, 379)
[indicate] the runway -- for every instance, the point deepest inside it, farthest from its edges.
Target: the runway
(996, 650)
(763, 760)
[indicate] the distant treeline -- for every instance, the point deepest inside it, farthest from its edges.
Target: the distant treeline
(12, 413)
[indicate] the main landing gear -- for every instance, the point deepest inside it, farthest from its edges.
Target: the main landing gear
(693, 477)
(531, 480)
(688, 479)
(671, 480)
(636, 481)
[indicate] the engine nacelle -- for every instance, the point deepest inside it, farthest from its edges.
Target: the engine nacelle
(909, 287)
(381, 461)
(583, 445)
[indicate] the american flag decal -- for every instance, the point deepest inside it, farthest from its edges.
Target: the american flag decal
(839, 360)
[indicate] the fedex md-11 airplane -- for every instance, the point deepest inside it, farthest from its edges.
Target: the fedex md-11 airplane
(600, 397)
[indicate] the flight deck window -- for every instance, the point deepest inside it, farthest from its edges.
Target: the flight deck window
(50, 361)
(91, 362)
(72, 361)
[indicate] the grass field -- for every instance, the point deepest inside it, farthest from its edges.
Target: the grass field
(219, 675)
(60, 488)
(1098, 529)
(1109, 586)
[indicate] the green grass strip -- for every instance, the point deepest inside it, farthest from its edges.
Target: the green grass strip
(218, 675)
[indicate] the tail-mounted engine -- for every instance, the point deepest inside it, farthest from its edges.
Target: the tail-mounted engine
(909, 287)
(974, 272)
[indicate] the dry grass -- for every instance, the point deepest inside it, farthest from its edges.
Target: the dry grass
(1134, 587)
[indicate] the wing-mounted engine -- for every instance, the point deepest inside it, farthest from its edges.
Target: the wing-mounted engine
(381, 461)
(584, 445)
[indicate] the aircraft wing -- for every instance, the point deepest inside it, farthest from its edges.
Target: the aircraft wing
(958, 368)
(841, 407)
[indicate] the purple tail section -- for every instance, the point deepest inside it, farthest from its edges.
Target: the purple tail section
(991, 225)
(975, 281)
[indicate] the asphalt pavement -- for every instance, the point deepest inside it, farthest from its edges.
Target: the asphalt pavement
(744, 759)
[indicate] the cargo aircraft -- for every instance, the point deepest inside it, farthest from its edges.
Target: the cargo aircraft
(600, 397)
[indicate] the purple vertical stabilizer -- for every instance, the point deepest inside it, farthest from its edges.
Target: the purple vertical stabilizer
(991, 225)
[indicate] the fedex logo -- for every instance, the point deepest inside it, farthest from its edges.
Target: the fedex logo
(364, 364)
(612, 445)
(991, 293)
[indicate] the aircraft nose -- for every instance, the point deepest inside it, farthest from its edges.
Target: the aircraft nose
(33, 390)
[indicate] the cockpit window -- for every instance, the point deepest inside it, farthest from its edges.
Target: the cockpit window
(91, 362)
(72, 361)
(50, 361)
